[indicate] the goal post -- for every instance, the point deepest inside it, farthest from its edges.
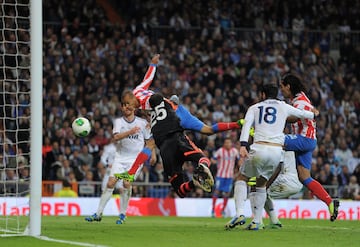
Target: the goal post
(36, 80)
(21, 115)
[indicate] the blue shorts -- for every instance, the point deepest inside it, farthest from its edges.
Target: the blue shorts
(303, 148)
(223, 184)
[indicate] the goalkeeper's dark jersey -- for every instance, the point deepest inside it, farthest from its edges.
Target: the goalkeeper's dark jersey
(164, 121)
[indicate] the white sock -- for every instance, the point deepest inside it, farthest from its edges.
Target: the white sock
(260, 198)
(124, 200)
(252, 203)
(269, 208)
(105, 197)
(240, 196)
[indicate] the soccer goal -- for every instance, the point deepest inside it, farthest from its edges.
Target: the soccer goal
(20, 117)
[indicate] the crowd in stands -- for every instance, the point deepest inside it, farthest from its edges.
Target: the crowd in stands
(214, 69)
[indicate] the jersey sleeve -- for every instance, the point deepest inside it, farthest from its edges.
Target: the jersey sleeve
(249, 120)
(187, 120)
(292, 111)
(142, 92)
(117, 126)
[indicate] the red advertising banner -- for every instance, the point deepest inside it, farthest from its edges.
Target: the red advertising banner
(150, 206)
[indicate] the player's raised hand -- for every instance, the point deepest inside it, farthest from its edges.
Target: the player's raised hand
(315, 111)
(155, 59)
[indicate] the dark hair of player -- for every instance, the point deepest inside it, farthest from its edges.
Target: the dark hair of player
(155, 100)
(295, 83)
(270, 91)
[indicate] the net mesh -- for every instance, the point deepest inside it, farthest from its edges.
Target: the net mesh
(14, 113)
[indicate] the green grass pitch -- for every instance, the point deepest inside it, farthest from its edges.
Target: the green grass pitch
(183, 231)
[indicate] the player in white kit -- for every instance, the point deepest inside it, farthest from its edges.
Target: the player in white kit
(269, 118)
(287, 182)
(130, 134)
(107, 159)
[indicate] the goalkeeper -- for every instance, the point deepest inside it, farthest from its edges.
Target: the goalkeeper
(187, 120)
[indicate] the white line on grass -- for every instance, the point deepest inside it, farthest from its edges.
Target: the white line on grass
(324, 227)
(69, 242)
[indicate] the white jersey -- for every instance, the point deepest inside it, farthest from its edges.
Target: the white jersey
(108, 155)
(269, 119)
(129, 147)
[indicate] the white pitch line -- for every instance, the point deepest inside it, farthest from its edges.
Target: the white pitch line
(325, 227)
(69, 242)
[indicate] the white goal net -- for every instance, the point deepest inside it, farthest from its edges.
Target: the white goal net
(15, 100)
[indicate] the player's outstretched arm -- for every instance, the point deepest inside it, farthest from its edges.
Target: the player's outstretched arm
(142, 92)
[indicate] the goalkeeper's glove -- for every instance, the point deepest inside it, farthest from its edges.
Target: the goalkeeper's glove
(241, 122)
(252, 181)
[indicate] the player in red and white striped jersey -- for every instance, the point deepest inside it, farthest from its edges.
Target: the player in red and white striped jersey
(226, 158)
(304, 127)
(303, 141)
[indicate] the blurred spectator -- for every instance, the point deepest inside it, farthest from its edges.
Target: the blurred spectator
(356, 173)
(64, 170)
(325, 177)
(343, 152)
(66, 190)
(157, 173)
(352, 190)
(50, 159)
(354, 161)
(89, 61)
(85, 156)
(343, 179)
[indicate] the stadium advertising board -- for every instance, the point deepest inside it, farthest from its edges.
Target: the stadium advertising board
(290, 209)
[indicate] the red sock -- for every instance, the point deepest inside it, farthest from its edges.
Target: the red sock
(143, 156)
(184, 188)
(213, 202)
(205, 161)
(225, 203)
(319, 191)
(224, 126)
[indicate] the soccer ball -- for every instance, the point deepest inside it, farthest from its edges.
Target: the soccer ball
(81, 127)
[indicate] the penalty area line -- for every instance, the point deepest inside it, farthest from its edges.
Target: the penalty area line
(69, 242)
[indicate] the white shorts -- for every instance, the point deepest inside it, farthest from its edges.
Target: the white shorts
(105, 180)
(119, 168)
(284, 186)
(263, 160)
(287, 183)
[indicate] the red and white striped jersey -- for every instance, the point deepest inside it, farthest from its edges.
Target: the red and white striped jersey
(142, 92)
(305, 127)
(226, 161)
